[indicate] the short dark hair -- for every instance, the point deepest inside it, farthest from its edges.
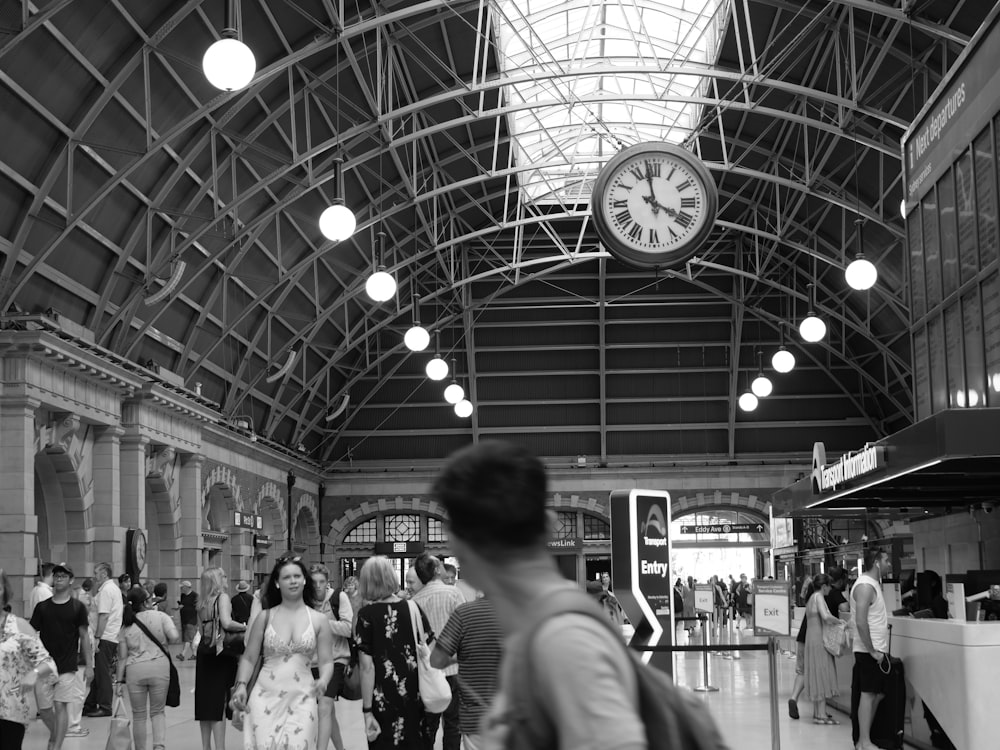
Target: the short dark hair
(426, 567)
(5, 582)
(495, 495)
(160, 589)
(449, 568)
(872, 555)
(45, 570)
(836, 573)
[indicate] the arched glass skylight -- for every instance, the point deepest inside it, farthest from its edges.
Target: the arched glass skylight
(590, 77)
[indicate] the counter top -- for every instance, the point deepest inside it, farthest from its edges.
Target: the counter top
(956, 632)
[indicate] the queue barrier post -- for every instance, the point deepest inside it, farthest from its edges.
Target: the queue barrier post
(705, 687)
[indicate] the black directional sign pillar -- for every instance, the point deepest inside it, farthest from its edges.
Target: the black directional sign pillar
(640, 566)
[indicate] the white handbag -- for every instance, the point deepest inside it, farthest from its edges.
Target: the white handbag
(435, 692)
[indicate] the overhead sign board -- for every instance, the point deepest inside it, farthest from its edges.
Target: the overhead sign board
(849, 467)
(640, 566)
(399, 548)
(247, 520)
(957, 110)
(724, 528)
(772, 608)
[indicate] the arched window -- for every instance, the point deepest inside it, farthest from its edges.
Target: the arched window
(365, 532)
(402, 528)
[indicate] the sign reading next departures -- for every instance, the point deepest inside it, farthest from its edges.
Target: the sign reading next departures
(772, 608)
(640, 566)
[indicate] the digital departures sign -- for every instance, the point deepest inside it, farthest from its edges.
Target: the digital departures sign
(850, 466)
(640, 566)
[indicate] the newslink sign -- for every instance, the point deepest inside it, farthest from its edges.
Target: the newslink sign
(828, 477)
(640, 566)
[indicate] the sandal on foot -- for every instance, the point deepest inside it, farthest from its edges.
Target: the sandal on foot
(793, 708)
(818, 720)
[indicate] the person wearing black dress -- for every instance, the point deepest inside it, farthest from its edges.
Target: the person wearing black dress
(390, 699)
(215, 673)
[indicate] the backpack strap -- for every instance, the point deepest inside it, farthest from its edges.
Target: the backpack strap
(529, 726)
(335, 607)
(671, 716)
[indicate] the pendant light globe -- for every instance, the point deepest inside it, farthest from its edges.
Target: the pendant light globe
(380, 285)
(417, 338)
(812, 328)
(748, 401)
(437, 369)
(783, 361)
(761, 386)
(337, 222)
(454, 393)
(861, 274)
(229, 64)
(463, 408)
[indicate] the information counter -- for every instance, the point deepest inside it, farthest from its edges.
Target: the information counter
(954, 667)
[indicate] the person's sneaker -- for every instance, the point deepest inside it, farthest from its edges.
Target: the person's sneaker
(97, 713)
(77, 732)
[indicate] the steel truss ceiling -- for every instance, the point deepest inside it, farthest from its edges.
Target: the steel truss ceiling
(120, 162)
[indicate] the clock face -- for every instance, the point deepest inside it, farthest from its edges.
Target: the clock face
(137, 550)
(654, 205)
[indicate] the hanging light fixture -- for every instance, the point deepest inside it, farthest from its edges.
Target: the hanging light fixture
(228, 63)
(381, 286)
(761, 385)
(463, 408)
(748, 401)
(454, 392)
(861, 274)
(437, 368)
(812, 328)
(783, 360)
(416, 338)
(337, 222)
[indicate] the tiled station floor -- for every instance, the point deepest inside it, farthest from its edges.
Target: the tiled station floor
(741, 706)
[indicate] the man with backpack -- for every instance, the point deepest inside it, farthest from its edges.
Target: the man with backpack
(567, 681)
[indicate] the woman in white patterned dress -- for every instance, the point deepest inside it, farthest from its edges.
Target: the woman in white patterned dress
(282, 707)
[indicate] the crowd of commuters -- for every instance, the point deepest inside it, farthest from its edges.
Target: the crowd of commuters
(300, 637)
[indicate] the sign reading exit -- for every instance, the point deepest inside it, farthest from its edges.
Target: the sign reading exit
(772, 608)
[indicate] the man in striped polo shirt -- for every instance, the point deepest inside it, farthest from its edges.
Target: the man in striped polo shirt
(472, 637)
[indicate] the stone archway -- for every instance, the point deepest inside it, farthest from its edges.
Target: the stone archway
(163, 513)
(269, 508)
(305, 531)
(64, 492)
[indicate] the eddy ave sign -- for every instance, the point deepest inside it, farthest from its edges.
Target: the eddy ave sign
(828, 477)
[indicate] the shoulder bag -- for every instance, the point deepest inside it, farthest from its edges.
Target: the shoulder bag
(835, 638)
(435, 692)
(228, 643)
(174, 688)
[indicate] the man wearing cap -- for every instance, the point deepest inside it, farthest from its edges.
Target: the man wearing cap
(188, 606)
(62, 623)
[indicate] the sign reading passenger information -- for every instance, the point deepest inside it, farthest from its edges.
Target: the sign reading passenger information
(640, 566)
(724, 528)
(772, 608)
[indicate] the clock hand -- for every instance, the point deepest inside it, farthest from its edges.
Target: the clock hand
(652, 194)
(652, 201)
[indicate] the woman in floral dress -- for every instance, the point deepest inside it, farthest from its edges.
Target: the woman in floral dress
(23, 661)
(390, 699)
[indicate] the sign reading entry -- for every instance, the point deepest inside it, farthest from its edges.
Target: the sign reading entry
(640, 565)
(772, 608)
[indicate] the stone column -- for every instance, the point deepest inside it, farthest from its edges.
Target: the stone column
(18, 521)
(105, 513)
(133, 480)
(189, 558)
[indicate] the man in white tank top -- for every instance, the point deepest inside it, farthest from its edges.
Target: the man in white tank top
(871, 641)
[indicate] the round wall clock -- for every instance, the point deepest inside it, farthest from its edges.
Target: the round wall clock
(135, 552)
(654, 205)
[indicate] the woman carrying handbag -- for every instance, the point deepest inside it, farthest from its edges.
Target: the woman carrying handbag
(144, 667)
